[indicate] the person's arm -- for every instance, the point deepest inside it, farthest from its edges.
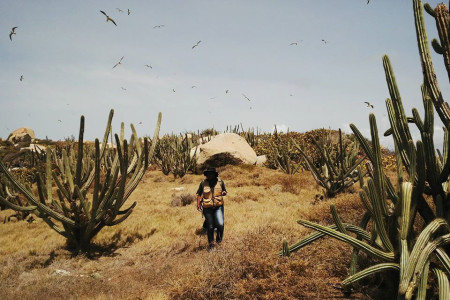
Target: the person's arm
(199, 196)
(199, 208)
(224, 190)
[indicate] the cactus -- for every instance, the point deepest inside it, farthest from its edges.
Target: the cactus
(173, 155)
(337, 170)
(72, 214)
(398, 250)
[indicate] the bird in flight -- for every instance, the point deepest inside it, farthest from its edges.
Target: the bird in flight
(324, 41)
(295, 43)
(129, 11)
(246, 97)
(123, 88)
(158, 26)
(193, 86)
(59, 120)
(173, 90)
(119, 10)
(13, 31)
(21, 77)
(196, 44)
(119, 63)
(108, 18)
(368, 1)
(148, 66)
(226, 91)
(368, 104)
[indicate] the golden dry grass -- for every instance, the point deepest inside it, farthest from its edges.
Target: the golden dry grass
(157, 252)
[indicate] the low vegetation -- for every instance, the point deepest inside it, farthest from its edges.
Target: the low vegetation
(160, 252)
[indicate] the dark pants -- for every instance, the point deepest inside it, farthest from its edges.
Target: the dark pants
(214, 218)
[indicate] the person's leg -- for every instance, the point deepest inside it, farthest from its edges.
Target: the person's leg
(209, 219)
(219, 223)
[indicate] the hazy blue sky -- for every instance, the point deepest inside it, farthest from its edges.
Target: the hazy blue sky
(66, 51)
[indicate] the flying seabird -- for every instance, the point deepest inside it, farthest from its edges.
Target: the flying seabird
(246, 97)
(119, 10)
(324, 41)
(123, 88)
(129, 11)
(119, 63)
(12, 32)
(108, 18)
(21, 77)
(148, 66)
(368, 104)
(196, 44)
(158, 26)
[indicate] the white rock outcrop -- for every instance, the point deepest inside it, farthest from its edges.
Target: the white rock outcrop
(223, 149)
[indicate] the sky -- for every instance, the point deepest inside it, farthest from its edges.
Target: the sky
(299, 65)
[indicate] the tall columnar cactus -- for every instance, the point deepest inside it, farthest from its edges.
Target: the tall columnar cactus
(173, 155)
(92, 186)
(400, 252)
(337, 171)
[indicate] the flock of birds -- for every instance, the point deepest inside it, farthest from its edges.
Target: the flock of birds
(109, 19)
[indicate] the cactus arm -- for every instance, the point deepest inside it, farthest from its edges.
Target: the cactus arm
(427, 66)
(125, 211)
(390, 189)
(354, 258)
(365, 200)
(84, 202)
(443, 258)
(437, 47)
(67, 170)
(285, 251)
(61, 187)
(317, 235)
(30, 197)
(17, 207)
(379, 215)
(337, 220)
(55, 227)
(95, 196)
(48, 174)
(107, 131)
(387, 256)
(155, 135)
(417, 119)
(378, 166)
(444, 287)
(446, 158)
(422, 288)
(121, 219)
(370, 271)
(425, 236)
(405, 222)
(80, 153)
(420, 265)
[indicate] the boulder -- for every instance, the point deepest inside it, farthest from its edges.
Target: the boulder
(22, 135)
(261, 160)
(223, 149)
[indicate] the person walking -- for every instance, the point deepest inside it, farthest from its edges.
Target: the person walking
(210, 202)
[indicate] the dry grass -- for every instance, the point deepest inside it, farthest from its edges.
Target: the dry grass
(157, 252)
